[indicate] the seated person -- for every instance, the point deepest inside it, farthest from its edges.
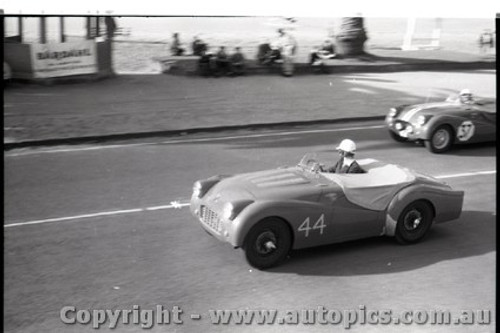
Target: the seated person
(268, 54)
(237, 60)
(464, 97)
(346, 163)
(198, 46)
(222, 62)
(263, 53)
(325, 51)
(206, 66)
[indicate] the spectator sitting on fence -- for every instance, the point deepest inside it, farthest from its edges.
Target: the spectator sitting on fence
(206, 64)
(263, 53)
(222, 62)
(268, 53)
(323, 52)
(237, 60)
(198, 46)
(176, 48)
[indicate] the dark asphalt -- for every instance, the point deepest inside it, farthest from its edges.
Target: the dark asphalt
(163, 257)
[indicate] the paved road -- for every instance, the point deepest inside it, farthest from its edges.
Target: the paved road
(135, 256)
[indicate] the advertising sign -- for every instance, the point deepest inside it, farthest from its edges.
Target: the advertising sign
(64, 59)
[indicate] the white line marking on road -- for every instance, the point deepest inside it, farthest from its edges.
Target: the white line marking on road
(76, 217)
(173, 204)
(222, 138)
(178, 205)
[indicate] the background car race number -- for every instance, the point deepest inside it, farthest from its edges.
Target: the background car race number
(465, 131)
(319, 224)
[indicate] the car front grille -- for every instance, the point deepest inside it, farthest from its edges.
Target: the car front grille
(210, 218)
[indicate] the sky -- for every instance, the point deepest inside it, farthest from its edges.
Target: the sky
(297, 8)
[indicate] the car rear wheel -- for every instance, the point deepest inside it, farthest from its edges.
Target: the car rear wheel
(397, 137)
(414, 222)
(267, 243)
(440, 140)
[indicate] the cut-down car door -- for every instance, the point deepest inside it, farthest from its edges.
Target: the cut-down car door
(350, 221)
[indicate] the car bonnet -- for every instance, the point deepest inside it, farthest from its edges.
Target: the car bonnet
(277, 184)
(412, 111)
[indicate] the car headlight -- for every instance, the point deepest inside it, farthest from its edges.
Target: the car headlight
(421, 120)
(393, 112)
(228, 211)
(232, 209)
(201, 187)
(197, 189)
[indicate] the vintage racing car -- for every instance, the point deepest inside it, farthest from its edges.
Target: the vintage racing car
(268, 213)
(440, 125)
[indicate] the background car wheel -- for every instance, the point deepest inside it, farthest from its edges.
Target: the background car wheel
(268, 243)
(440, 140)
(414, 222)
(397, 137)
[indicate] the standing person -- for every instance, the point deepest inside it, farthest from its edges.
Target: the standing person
(176, 48)
(346, 163)
(288, 47)
(237, 60)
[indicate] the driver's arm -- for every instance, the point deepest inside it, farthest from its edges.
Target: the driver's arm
(333, 168)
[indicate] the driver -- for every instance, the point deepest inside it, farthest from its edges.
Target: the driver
(346, 163)
(464, 97)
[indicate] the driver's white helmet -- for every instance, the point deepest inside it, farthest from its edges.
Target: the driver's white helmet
(347, 145)
(465, 92)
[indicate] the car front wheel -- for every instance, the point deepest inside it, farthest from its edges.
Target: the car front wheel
(440, 140)
(414, 222)
(268, 243)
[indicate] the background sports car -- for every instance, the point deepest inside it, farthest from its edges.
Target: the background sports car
(268, 213)
(440, 125)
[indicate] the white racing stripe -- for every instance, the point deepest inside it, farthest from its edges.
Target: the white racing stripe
(179, 205)
(222, 138)
(467, 174)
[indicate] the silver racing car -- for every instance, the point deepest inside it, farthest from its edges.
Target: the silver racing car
(270, 212)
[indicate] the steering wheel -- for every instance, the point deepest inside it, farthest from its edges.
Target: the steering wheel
(316, 167)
